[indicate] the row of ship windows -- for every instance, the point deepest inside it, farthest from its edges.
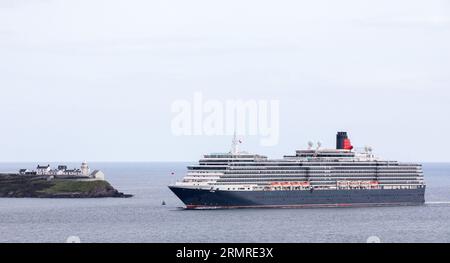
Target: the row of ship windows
(303, 163)
(225, 161)
(299, 177)
(294, 164)
(330, 184)
(243, 173)
(326, 169)
(318, 181)
(303, 178)
(321, 172)
(281, 165)
(311, 181)
(263, 162)
(303, 168)
(319, 175)
(320, 165)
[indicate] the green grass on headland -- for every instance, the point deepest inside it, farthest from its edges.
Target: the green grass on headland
(72, 186)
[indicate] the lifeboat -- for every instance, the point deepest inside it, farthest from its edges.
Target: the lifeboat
(304, 184)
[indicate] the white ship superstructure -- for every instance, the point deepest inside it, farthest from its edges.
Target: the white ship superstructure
(308, 170)
(318, 169)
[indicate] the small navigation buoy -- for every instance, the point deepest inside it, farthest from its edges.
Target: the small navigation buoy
(163, 203)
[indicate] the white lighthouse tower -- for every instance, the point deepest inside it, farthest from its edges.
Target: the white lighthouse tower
(85, 169)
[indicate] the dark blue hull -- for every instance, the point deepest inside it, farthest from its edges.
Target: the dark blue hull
(196, 198)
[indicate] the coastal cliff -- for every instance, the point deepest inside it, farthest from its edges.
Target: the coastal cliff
(14, 185)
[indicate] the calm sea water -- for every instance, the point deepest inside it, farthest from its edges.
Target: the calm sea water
(143, 218)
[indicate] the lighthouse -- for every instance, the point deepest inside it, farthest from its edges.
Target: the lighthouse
(85, 169)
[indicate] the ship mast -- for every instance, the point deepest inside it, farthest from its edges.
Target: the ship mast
(235, 145)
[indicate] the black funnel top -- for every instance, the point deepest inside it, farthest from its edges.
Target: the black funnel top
(340, 140)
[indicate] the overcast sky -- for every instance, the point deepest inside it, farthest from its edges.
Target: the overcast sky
(95, 80)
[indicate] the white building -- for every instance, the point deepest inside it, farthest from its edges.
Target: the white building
(98, 175)
(24, 171)
(43, 170)
(62, 171)
(73, 172)
(85, 171)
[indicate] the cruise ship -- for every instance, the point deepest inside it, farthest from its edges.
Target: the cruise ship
(314, 177)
